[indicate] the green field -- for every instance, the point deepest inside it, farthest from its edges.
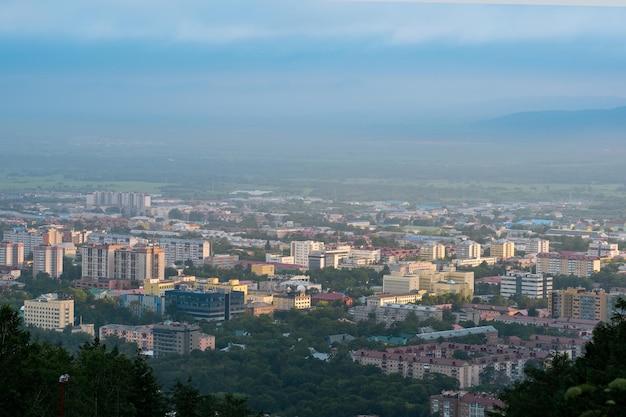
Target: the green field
(59, 184)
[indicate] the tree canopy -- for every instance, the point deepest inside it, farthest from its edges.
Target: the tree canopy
(592, 385)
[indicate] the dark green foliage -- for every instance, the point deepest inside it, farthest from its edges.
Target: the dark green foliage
(593, 385)
(102, 381)
(278, 374)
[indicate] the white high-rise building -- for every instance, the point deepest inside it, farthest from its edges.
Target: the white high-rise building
(183, 250)
(537, 245)
(526, 284)
(300, 251)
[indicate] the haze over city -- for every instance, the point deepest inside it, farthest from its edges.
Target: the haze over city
(342, 208)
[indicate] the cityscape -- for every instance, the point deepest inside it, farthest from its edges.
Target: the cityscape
(474, 294)
(338, 208)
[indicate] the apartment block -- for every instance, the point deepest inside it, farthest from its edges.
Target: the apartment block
(28, 237)
(537, 245)
(113, 239)
(578, 303)
(141, 335)
(48, 259)
(182, 250)
(567, 263)
(139, 263)
(526, 284)
(180, 338)
(300, 250)
(603, 250)
(49, 312)
(289, 301)
(432, 251)
(464, 404)
(418, 361)
(135, 202)
(392, 313)
(468, 249)
(98, 261)
(12, 254)
(502, 249)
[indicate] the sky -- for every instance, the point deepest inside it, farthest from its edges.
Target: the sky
(142, 68)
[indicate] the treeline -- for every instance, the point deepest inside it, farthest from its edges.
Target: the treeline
(102, 382)
(279, 369)
(592, 385)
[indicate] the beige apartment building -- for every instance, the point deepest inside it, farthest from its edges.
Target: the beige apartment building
(566, 263)
(287, 302)
(12, 254)
(432, 252)
(139, 263)
(502, 249)
(578, 303)
(48, 259)
(438, 282)
(49, 312)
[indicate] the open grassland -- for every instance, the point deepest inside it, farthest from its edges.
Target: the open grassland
(60, 184)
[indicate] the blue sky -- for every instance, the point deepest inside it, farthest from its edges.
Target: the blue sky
(137, 67)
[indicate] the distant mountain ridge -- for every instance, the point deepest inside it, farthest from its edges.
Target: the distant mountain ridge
(561, 120)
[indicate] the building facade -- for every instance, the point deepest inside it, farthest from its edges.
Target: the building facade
(502, 249)
(139, 263)
(204, 305)
(48, 259)
(468, 249)
(180, 338)
(181, 250)
(526, 284)
(49, 312)
(12, 254)
(300, 250)
(578, 303)
(566, 263)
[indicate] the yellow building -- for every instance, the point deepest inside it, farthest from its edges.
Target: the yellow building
(502, 249)
(579, 303)
(215, 284)
(448, 281)
(158, 287)
(263, 269)
(432, 252)
(49, 312)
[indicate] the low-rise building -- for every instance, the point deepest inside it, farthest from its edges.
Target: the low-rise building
(464, 404)
(180, 338)
(49, 312)
(299, 301)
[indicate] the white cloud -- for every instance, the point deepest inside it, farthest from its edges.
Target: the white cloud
(572, 3)
(395, 21)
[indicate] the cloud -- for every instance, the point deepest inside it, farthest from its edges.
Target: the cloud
(383, 21)
(572, 3)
